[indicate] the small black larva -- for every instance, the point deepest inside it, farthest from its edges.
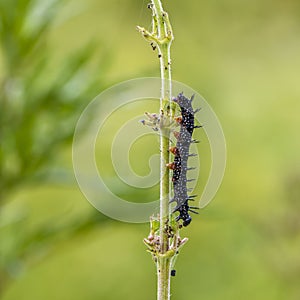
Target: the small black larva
(181, 155)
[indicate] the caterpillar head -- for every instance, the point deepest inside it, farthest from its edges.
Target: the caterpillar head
(187, 220)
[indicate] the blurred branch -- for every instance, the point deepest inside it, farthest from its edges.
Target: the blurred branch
(40, 106)
(38, 113)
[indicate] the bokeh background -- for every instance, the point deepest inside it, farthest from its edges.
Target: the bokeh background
(242, 56)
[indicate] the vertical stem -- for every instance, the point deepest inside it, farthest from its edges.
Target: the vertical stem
(163, 278)
(163, 263)
(162, 37)
(164, 34)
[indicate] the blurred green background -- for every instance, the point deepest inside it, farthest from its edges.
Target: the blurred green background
(242, 56)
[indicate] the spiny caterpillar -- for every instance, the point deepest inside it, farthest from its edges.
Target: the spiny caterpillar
(181, 155)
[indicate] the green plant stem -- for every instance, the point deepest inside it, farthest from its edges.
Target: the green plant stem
(163, 263)
(164, 52)
(162, 37)
(163, 278)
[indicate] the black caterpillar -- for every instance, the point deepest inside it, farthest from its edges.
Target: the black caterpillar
(181, 155)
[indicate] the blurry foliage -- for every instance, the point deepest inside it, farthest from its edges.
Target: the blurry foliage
(40, 105)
